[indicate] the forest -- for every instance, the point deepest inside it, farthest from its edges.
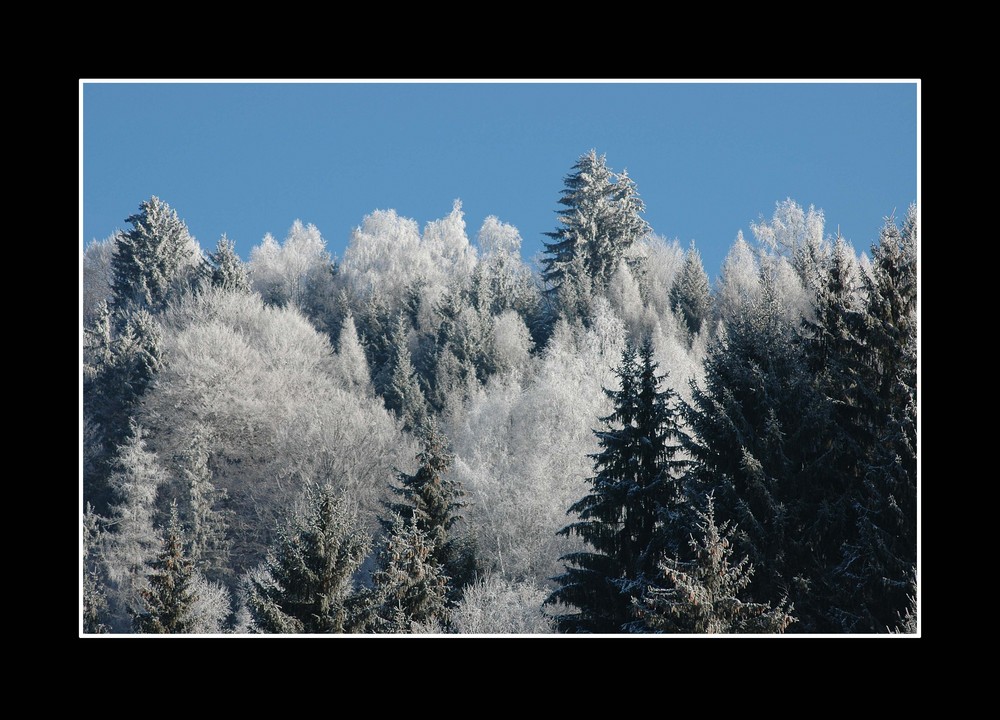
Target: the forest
(431, 436)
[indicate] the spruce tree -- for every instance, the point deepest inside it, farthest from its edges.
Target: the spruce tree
(150, 258)
(433, 500)
(703, 595)
(403, 394)
(204, 515)
(410, 588)
(169, 598)
(306, 582)
(94, 599)
(632, 514)
(690, 296)
(601, 219)
(228, 270)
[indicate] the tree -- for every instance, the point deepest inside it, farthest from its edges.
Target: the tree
(495, 605)
(601, 220)
(690, 295)
(403, 395)
(203, 515)
(95, 602)
(169, 597)
(306, 582)
(629, 517)
(410, 590)
(702, 596)
(228, 271)
(432, 500)
(351, 365)
(150, 260)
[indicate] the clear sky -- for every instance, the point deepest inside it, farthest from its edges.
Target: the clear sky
(246, 159)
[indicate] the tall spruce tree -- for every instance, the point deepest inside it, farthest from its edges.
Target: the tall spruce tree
(169, 598)
(601, 219)
(307, 580)
(403, 394)
(634, 510)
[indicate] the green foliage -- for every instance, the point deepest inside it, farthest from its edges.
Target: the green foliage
(306, 582)
(702, 596)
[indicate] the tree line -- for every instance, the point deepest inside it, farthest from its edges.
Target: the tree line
(430, 435)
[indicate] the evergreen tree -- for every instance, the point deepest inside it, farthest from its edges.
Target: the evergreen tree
(169, 598)
(880, 394)
(95, 602)
(403, 395)
(307, 580)
(433, 500)
(204, 516)
(702, 596)
(601, 220)
(690, 296)
(123, 359)
(351, 363)
(228, 270)
(410, 588)
(761, 427)
(150, 259)
(632, 514)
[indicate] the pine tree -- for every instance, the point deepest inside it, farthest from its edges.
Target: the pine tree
(601, 220)
(169, 598)
(690, 296)
(307, 580)
(702, 596)
(351, 363)
(632, 514)
(433, 500)
(228, 270)
(203, 514)
(150, 259)
(410, 588)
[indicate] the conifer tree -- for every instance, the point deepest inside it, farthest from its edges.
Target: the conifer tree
(150, 258)
(228, 270)
(403, 395)
(690, 296)
(433, 500)
(601, 220)
(95, 601)
(169, 598)
(703, 595)
(410, 588)
(632, 514)
(306, 581)
(203, 513)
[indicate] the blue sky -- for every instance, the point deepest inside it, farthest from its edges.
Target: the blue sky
(246, 159)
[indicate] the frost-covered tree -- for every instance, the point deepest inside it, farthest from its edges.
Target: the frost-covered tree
(502, 281)
(630, 516)
(410, 589)
(403, 394)
(739, 284)
(496, 605)
(168, 598)
(298, 271)
(690, 295)
(228, 270)
(93, 596)
(204, 515)
(132, 541)
(601, 219)
(305, 584)
(433, 500)
(703, 595)
(96, 276)
(797, 235)
(351, 364)
(153, 260)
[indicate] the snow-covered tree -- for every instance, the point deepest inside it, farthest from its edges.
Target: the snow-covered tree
(703, 595)
(204, 516)
(93, 596)
(294, 272)
(690, 295)
(409, 590)
(153, 260)
(351, 365)
(97, 276)
(637, 490)
(305, 584)
(403, 394)
(601, 219)
(228, 270)
(739, 284)
(797, 235)
(168, 598)
(495, 605)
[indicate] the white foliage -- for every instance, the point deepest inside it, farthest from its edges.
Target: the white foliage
(659, 262)
(496, 605)
(287, 273)
(498, 238)
(510, 345)
(97, 275)
(210, 607)
(350, 365)
(739, 284)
